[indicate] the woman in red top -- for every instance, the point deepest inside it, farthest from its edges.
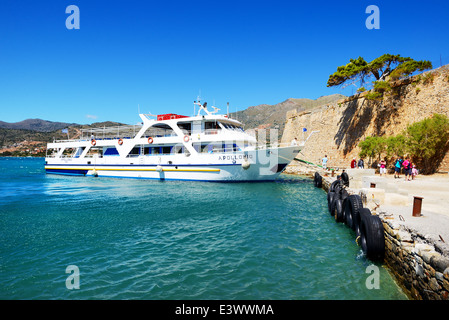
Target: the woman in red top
(407, 168)
(353, 163)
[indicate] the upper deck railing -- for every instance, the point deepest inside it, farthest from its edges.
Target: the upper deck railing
(116, 132)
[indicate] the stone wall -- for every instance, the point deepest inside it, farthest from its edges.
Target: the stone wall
(344, 124)
(419, 265)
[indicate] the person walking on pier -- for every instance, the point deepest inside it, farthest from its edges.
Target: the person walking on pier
(397, 167)
(294, 142)
(324, 162)
(407, 169)
(383, 167)
(361, 164)
(353, 163)
(414, 171)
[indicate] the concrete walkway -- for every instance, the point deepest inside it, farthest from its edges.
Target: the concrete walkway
(394, 198)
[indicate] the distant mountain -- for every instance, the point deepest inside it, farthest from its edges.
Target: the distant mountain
(43, 131)
(271, 116)
(101, 125)
(36, 125)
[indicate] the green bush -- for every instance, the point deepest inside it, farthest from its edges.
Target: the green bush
(427, 140)
(372, 147)
(396, 145)
(382, 86)
(374, 96)
(428, 78)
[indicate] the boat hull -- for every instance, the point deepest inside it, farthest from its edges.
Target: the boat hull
(254, 165)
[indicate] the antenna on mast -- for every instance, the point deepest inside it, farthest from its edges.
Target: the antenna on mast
(198, 99)
(227, 108)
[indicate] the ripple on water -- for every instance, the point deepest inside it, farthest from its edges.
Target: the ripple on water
(137, 239)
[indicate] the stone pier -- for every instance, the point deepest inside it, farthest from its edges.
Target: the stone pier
(417, 252)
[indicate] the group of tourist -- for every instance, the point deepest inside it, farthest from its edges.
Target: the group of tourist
(407, 167)
(358, 164)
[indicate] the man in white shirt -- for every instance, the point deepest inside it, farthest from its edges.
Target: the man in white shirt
(294, 142)
(324, 162)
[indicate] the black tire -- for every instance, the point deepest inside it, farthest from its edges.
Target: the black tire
(333, 185)
(357, 220)
(315, 179)
(338, 210)
(319, 183)
(333, 206)
(345, 179)
(348, 214)
(352, 207)
(337, 190)
(344, 194)
(372, 238)
(330, 199)
(318, 180)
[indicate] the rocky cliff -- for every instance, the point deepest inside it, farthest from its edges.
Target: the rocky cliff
(267, 116)
(343, 124)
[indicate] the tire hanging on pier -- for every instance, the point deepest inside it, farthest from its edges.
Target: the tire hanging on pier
(338, 212)
(357, 220)
(353, 204)
(372, 238)
(343, 194)
(330, 200)
(318, 180)
(334, 185)
(345, 179)
(349, 209)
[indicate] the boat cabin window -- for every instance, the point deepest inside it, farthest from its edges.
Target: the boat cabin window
(231, 126)
(79, 151)
(95, 152)
(68, 152)
(211, 125)
(159, 130)
(186, 127)
(166, 150)
(52, 152)
(155, 150)
(135, 151)
(112, 151)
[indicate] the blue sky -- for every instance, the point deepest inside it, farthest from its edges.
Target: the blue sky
(161, 54)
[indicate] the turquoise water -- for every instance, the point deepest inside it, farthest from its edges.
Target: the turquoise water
(140, 239)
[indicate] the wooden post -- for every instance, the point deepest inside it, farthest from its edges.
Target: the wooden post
(417, 204)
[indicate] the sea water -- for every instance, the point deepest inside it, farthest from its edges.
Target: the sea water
(170, 240)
